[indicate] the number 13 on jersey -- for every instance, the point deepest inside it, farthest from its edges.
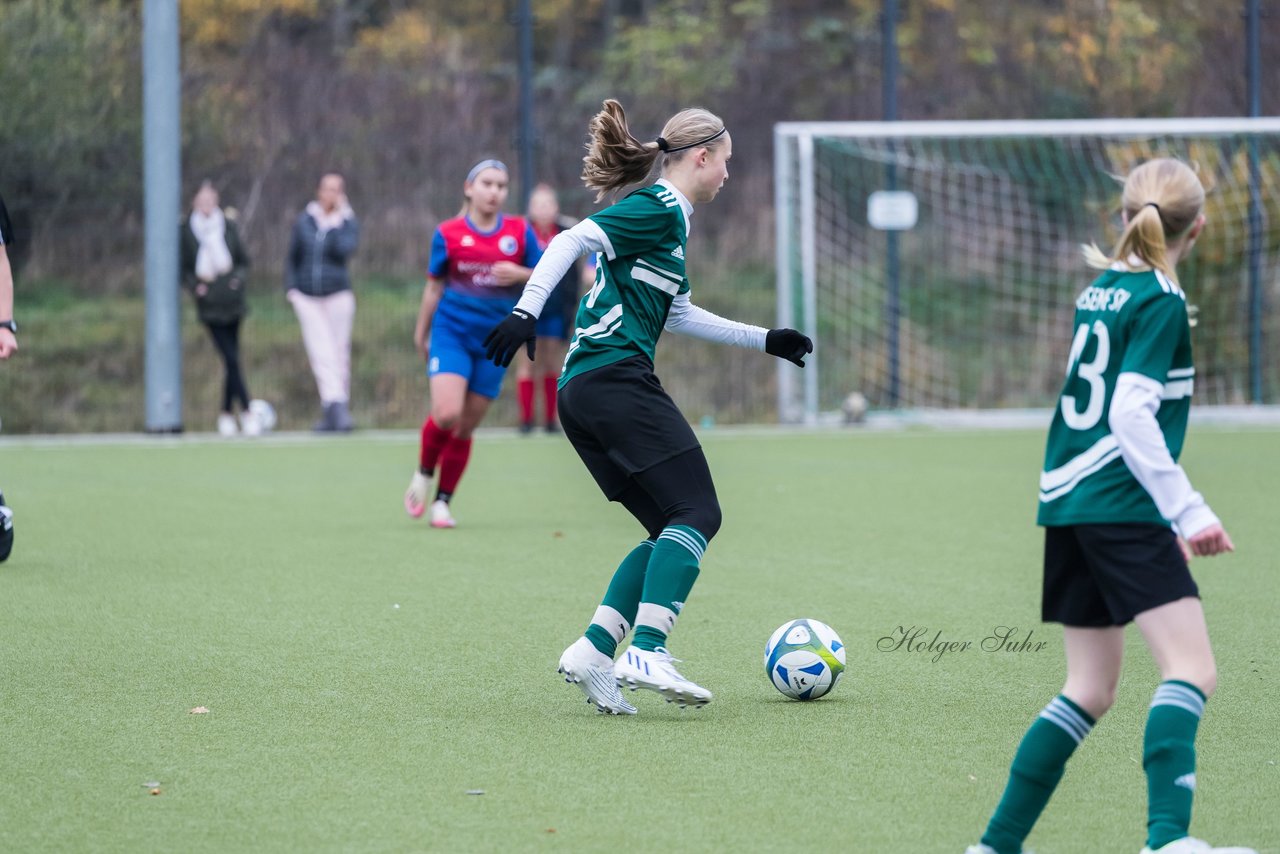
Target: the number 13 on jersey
(1093, 372)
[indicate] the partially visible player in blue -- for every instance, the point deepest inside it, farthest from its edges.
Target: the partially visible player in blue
(480, 261)
(627, 430)
(1121, 521)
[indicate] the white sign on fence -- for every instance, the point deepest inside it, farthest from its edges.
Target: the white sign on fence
(892, 210)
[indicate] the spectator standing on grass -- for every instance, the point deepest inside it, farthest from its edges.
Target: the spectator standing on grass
(8, 346)
(317, 284)
(554, 323)
(215, 270)
(480, 260)
(1121, 521)
(627, 430)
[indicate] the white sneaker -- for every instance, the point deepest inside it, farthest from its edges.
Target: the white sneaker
(979, 849)
(639, 668)
(441, 517)
(250, 425)
(415, 497)
(592, 671)
(1191, 845)
(227, 425)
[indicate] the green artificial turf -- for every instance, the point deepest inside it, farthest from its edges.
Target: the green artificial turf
(364, 673)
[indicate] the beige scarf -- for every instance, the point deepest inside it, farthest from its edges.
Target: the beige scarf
(213, 259)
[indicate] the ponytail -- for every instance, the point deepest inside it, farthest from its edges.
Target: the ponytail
(1162, 200)
(616, 159)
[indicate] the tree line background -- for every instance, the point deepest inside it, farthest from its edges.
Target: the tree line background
(402, 96)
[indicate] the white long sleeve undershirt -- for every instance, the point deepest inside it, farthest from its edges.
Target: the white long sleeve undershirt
(684, 318)
(1132, 419)
(561, 254)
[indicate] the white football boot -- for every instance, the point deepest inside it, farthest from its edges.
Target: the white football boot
(227, 426)
(639, 668)
(441, 516)
(1191, 845)
(592, 671)
(415, 497)
(986, 849)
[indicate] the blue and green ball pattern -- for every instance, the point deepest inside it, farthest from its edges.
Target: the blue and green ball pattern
(804, 659)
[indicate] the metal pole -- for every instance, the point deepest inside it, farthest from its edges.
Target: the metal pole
(162, 178)
(524, 23)
(784, 221)
(809, 274)
(889, 103)
(1255, 208)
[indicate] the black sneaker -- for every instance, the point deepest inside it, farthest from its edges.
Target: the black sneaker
(328, 419)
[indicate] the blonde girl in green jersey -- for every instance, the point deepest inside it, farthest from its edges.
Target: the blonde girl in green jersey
(632, 438)
(1122, 521)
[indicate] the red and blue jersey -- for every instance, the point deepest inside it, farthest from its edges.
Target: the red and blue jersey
(463, 256)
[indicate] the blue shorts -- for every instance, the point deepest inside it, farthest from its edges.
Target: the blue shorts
(458, 331)
(552, 325)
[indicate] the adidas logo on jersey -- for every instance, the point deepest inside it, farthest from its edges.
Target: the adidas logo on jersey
(678, 252)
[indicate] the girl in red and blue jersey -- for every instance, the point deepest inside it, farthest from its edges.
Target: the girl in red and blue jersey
(480, 261)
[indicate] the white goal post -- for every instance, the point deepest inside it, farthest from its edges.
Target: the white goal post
(953, 288)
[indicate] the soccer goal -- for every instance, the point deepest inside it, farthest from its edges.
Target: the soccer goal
(935, 264)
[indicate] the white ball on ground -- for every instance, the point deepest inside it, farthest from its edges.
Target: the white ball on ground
(264, 412)
(854, 408)
(804, 659)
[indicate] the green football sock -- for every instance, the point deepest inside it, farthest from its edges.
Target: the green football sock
(1169, 758)
(1037, 767)
(616, 614)
(673, 568)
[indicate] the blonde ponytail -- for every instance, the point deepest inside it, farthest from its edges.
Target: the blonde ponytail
(1162, 199)
(616, 159)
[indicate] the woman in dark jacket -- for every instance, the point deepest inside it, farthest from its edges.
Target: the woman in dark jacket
(214, 268)
(318, 286)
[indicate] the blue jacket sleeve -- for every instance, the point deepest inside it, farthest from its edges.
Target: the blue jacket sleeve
(293, 257)
(346, 239)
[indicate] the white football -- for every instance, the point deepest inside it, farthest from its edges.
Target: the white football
(804, 659)
(265, 413)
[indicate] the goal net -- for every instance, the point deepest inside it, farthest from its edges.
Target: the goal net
(955, 289)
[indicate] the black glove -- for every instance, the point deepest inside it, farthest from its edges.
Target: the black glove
(504, 340)
(788, 344)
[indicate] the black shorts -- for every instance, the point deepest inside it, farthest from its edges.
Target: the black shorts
(1104, 575)
(621, 422)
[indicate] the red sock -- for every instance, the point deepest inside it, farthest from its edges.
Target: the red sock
(433, 441)
(549, 395)
(524, 394)
(453, 462)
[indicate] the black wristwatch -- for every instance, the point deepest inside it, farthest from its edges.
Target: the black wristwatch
(10, 325)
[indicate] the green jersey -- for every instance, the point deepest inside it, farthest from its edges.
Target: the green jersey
(641, 270)
(1125, 323)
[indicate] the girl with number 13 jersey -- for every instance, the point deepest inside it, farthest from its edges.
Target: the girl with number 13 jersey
(1121, 521)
